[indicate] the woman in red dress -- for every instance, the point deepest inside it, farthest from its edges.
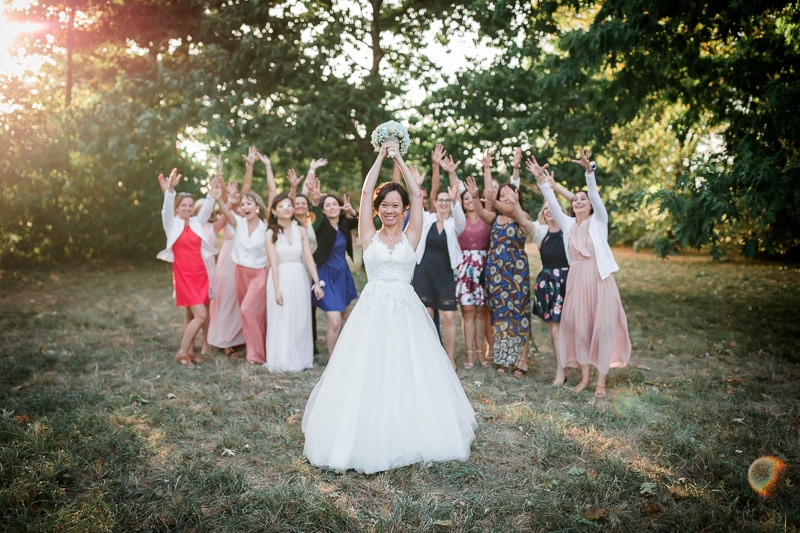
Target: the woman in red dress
(187, 247)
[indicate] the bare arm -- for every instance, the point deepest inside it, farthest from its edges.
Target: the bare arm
(366, 225)
(249, 160)
(271, 189)
(311, 267)
(437, 158)
(484, 214)
(272, 254)
(414, 229)
(216, 193)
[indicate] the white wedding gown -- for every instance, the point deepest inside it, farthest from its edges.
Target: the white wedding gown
(388, 396)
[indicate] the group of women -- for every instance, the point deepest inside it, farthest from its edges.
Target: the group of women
(371, 408)
(273, 264)
(291, 258)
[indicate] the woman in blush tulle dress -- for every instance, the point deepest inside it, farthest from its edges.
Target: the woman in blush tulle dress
(594, 328)
(389, 396)
(289, 342)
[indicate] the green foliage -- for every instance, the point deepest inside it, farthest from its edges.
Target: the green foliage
(686, 105)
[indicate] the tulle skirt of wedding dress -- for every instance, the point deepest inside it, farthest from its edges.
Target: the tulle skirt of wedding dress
(389, 396)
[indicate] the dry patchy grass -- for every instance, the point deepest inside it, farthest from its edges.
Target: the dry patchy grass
(101, 430)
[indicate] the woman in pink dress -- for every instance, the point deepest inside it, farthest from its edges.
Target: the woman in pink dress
(187, 248)
(594, 328)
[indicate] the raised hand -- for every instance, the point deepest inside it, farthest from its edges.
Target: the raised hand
(438, 154)
(517, 157)
(174, 179)
(316, 163)
(535, 168)
(294, 179)
(488, 157)
(452, 191)
(162, 181)
(264, 159)
(549, 178)
(314, 189)
(348, 207)
(449, 165)
(252, 155)
(472, 188)
(419, 177)
(584, 160)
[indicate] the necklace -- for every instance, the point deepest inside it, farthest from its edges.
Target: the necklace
(390, 237)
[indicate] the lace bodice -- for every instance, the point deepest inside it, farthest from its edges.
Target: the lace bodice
(383, 264)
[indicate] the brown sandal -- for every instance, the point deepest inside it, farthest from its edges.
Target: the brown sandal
(183, 359)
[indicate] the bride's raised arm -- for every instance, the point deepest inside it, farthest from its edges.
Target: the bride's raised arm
(366, 224)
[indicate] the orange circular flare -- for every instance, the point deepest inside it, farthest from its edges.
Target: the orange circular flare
(765, 473)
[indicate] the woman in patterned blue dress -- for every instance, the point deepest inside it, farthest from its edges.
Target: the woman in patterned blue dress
(507, 277)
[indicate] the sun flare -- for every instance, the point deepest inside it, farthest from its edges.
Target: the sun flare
(12, 59)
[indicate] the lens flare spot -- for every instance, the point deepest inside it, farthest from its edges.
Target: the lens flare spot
(765, 473)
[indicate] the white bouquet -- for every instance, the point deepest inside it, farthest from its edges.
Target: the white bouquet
(391, 130)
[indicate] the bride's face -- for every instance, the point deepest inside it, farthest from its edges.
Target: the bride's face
(391, 209)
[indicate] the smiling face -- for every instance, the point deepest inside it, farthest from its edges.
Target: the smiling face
(300, 206)
(185, 208)
(581, 206)
(391, 209)
(467, 202)
(331, 208)
(443, 204)
(248, 208)
(283, 210)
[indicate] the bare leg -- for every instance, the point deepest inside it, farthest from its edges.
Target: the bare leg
(335, 323)
(584, 379)
(190, 332)
(489, 333)
(480, 335)
(205, 349)
(448, 322)
(600, 391)
(560, 376)
(468, 324)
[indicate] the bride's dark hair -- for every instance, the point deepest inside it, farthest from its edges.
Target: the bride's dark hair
(386, 188)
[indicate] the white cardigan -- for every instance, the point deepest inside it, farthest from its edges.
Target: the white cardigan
(453, 227)
(174, 225)
(598, 225)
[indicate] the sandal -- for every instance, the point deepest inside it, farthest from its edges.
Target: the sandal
(502, 369)
(183, 359)
(197, 360)
(520, 372)
(469, 362)
(600, 392)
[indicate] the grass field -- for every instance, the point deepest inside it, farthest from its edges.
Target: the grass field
(100, 429)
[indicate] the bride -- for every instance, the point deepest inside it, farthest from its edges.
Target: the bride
(389, 396)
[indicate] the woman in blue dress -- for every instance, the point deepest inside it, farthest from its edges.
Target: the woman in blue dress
(333, 223)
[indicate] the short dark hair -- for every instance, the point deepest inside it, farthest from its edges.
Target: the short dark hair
(386, 188)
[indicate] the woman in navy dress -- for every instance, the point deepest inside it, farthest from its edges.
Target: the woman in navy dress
(333, 223)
